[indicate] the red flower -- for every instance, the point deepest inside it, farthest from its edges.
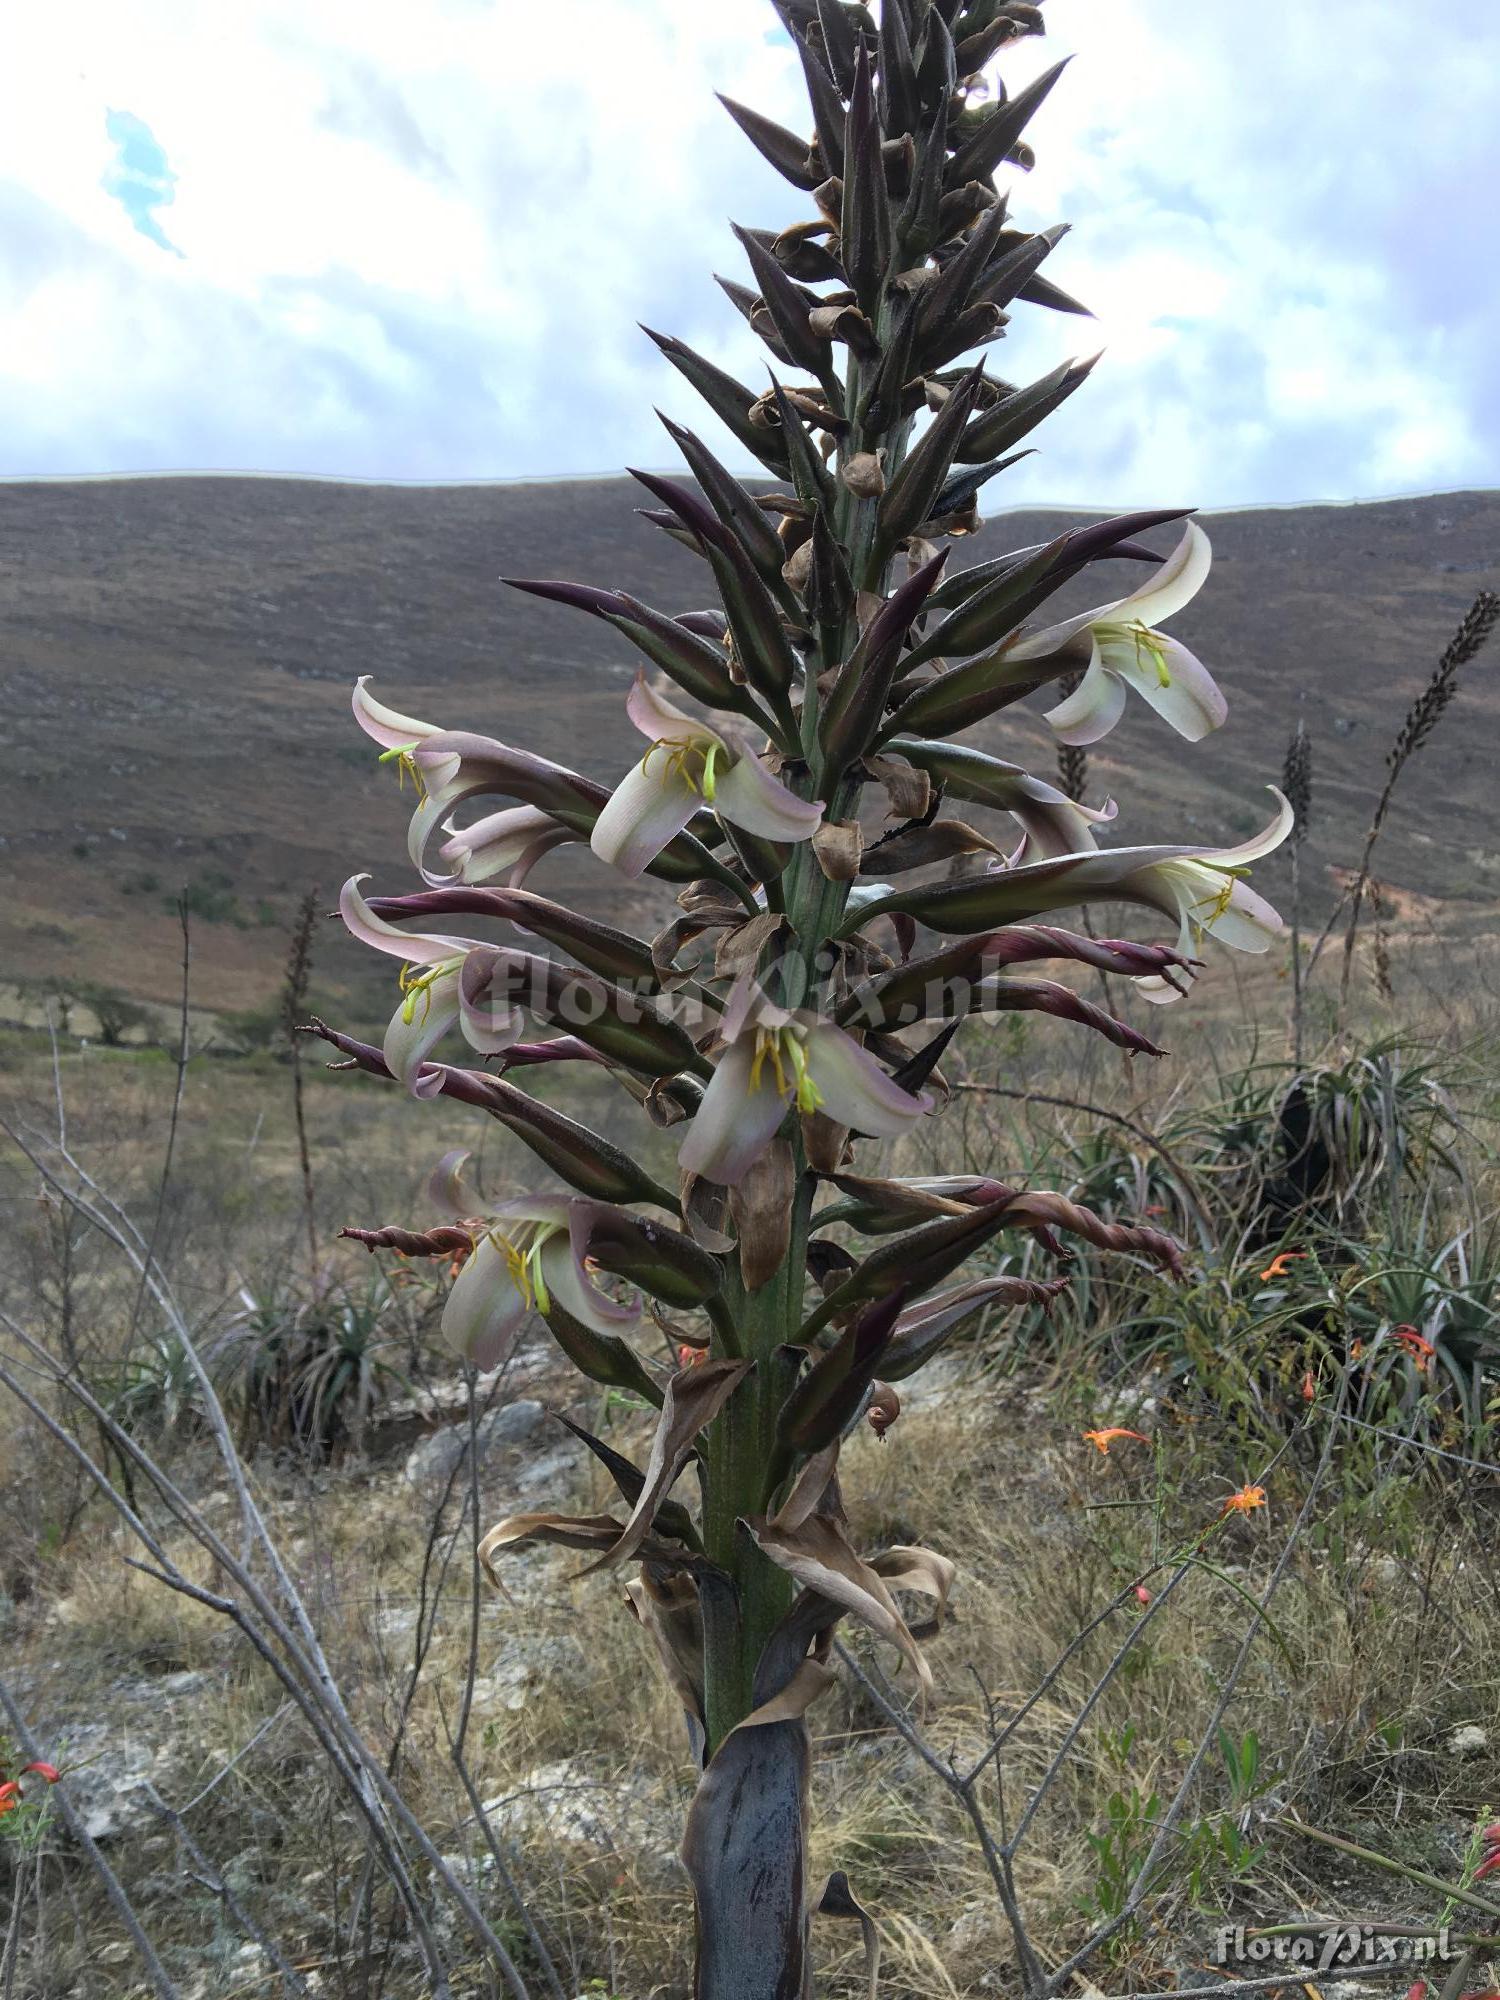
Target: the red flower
(1142, 1595)
(1418, 1348)
(49, 1773)
(1277, 1266)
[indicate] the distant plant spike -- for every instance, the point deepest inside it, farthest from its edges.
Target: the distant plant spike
(1422, 718)
(1297, 783)
(1072, 758)
(1380, 905)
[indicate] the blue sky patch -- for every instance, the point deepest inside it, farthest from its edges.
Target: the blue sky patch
(138, 177)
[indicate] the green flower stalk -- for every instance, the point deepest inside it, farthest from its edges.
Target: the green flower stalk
(787, 1022)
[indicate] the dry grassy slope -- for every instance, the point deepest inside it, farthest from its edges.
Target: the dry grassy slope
(177, 652)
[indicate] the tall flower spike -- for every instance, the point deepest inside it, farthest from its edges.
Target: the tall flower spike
(1129, 653)
(690, 766)
(773, 1060)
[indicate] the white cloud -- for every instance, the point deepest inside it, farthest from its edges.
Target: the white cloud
(415, 244)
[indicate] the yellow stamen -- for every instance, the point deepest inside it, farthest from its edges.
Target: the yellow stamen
(785, 1053)
(406, 767)
(1152, 646)
(417, 981)
(691, 763)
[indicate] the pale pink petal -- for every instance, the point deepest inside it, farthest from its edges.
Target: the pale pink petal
(387, 725)
(748, 1006)
(567, 1279)
(746, 794)
(1054, 824)
(485, 1309)
(661, 720)
(500, 844)
(490, 1024)
(855, 1090)
(416, 1028)
(1092, 709)
(412, 947)
(1174, 681)
(647, 810)
(1175, 583)
(1247, 923)
(448, 1190)
(1052, 638)
(735, 1123)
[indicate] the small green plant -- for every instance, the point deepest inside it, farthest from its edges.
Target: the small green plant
(308, 1365)
(1121, 1848)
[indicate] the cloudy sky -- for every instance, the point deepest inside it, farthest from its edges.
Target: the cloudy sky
(411, 239)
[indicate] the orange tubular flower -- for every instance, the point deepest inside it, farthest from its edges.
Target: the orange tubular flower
(48, 1773)
(1102, 1440)
(1309, 1387)
(1416, 1346)
(1246, 1500)
(1277, 1268)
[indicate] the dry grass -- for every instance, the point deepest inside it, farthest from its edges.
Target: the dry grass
(1386, 1630)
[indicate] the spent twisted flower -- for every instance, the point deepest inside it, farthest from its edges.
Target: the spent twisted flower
(689, 766)
(1127, 651)
(774, 1059)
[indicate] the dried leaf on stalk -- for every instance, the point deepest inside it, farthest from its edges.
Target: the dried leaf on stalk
(838, 845)
(694, 1398)
(671, 1519)
(819, 1556)
(761, 1204)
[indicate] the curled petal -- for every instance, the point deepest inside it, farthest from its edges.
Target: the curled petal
(414, 947)
(388, 726)
(508, 843)
(661, 721)
(1175, 583)
(1092, 709)
(747, 794)
(647, 810)
(417, 1026)
(567, 1279)
(1270, 837)
(447, 1189)
(736, 1120)
(487, 1025)
(855, 1090)
(485, 1309)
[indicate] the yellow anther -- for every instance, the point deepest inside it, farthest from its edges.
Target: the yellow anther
(406, 767)
(691, 763)
(1152, 646)
(784, 1052)
(417, 982)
